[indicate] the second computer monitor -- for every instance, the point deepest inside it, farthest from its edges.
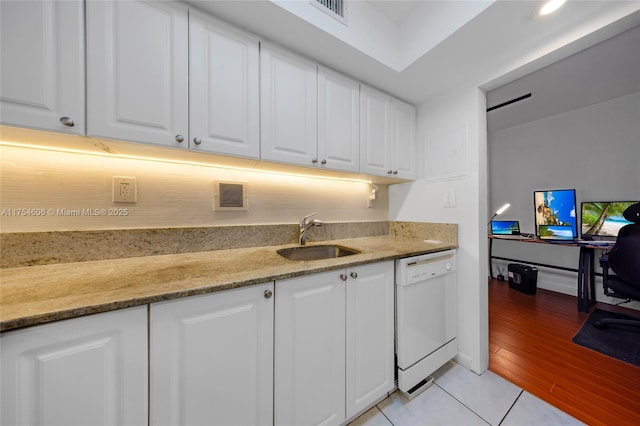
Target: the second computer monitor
(555, 214)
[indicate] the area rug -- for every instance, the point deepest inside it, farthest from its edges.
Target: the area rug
(620, 342)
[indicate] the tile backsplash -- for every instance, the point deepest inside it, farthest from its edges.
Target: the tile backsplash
(45, 191)
(57, 207)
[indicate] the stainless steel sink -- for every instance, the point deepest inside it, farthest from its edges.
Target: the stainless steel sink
(316, 252)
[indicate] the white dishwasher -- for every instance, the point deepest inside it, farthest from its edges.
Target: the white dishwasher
(426, 318)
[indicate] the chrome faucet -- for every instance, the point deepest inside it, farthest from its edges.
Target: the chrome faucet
(304, 226)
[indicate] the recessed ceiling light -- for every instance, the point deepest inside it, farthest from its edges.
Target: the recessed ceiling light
(551, 6)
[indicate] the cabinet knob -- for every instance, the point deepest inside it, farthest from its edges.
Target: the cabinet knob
(353, 275)
(389, 172)
(197, 140)
(323, 162)
(314, 161)
(179, 138)
(343, 277)
(268, 294)
(67, 121)
(395, 172)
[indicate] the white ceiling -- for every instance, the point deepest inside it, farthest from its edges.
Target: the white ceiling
(483, 43)
(396, 10)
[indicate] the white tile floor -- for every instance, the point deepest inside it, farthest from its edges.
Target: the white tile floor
(461, 397)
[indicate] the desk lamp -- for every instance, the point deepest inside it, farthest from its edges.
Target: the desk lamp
(499, 211)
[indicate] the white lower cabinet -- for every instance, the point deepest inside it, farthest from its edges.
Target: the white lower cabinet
(310, 350)
(83, 371)
(211, 359)
(334, 344)
(370, 335)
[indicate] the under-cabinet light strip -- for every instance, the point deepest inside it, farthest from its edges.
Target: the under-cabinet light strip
(182, 162)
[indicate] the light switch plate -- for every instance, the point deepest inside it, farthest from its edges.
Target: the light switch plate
(450, 198)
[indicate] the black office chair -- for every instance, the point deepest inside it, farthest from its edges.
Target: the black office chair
(624, 260)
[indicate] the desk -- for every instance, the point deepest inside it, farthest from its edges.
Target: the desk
(585, 271)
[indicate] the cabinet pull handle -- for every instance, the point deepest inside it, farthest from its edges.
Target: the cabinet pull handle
(395, 172)
(389, 172)
(179, 138)
(323, 162)
(314, 161)
(197, 140)
(268, 294)
(354, 275)
(67, 121)
(343, 277)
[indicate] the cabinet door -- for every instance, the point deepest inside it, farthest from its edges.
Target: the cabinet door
(137, 71)
(309, 350)
(402, 152)
(370, 335)
(289, 121)
(338, 121)
(211, 359)
(375, 131)
(84, 371)
(42, 67)
(224, 97)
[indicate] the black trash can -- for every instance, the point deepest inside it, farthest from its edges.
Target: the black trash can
(523, 278)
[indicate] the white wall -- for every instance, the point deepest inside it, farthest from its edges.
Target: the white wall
(595, 149)
(452, 135)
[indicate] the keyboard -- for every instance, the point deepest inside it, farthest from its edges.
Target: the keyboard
(596, 243)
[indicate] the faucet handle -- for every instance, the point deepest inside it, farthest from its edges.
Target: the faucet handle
(303, 221)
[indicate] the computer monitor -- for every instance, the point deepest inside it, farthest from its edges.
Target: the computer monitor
(505, 227)
(602, 219)
(555, 214)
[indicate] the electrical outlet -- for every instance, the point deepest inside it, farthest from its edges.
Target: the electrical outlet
(371, 200)
(125, 189)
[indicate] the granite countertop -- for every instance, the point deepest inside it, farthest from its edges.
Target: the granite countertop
(40, 294)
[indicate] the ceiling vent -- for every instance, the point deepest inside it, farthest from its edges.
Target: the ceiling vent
(333, 8)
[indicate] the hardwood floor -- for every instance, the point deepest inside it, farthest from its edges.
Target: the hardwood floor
(530, 345)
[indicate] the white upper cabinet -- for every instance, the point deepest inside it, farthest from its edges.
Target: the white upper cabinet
(387, 135)
(162, 74)
(338, 121)
(402, 153)
(224, 96)
(375, 131)
(211, 359)
(90, 370)
(42, 65)
(137, 71)
(289, 107)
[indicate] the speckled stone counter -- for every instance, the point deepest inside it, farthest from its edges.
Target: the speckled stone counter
(49, 276)
(40, 294)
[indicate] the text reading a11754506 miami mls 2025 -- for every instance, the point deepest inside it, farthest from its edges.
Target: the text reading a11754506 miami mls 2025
(41, 212)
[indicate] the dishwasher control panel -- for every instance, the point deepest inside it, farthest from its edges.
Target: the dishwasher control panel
(428, 266)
